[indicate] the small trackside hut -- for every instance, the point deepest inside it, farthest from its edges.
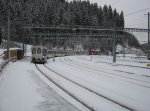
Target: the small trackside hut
(39, 54)
(14, 53)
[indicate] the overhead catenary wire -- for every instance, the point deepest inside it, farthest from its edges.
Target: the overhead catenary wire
(137, 12)
(115, 2)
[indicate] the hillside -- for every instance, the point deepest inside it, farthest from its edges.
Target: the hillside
(57, 12)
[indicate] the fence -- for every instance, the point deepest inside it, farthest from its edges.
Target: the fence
(3, 64)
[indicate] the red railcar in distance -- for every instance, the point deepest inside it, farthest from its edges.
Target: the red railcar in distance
(92, 52)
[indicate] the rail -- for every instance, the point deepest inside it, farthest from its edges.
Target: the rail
(66, 91)
(90, 90)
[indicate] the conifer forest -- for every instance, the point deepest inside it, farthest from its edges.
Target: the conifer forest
(56, 13)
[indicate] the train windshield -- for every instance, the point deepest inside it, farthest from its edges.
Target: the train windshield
(38, 50)
(33, 51)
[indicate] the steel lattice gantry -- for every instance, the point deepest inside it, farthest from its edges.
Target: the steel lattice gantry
(71, 35)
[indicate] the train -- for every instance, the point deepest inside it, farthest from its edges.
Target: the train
(61, 53)
(39, 54)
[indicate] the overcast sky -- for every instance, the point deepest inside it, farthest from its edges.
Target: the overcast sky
(138, 20)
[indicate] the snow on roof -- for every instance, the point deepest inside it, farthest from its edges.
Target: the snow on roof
(15, 48)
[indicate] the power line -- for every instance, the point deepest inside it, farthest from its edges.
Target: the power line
(137, 12)
(115, 2)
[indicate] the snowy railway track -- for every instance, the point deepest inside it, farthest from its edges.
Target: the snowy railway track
(128, 60)
(79, 85)
(99, 61)
(142, 67)
(76, 64)
(59, 86)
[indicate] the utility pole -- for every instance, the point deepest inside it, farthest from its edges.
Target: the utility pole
(148, 50)
(123, 46)
(148, 38)
(23, 43)
(114, 44)
(8, 36)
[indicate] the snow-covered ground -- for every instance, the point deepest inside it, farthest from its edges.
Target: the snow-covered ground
(1, 55)
(21, 89)
(125, 84)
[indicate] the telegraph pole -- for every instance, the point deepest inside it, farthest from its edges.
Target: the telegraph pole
(8, 36)
(114, 44)
(148, 38)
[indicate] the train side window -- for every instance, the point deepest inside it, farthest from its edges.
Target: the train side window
(44, 51)
(33, 51)
(38, 50)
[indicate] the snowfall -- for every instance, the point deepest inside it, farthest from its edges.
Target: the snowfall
(127, 82)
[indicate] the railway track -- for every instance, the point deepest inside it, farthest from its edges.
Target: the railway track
(120, 58)
(99, 61)
(76, 64)
(127, 65)
(118, 64)
(59, 86)
(79, 85)
(142, 67)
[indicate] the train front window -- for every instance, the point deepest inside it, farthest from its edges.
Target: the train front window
(38, 50)
(33, 51)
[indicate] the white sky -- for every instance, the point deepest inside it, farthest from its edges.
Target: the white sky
(138, 20)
